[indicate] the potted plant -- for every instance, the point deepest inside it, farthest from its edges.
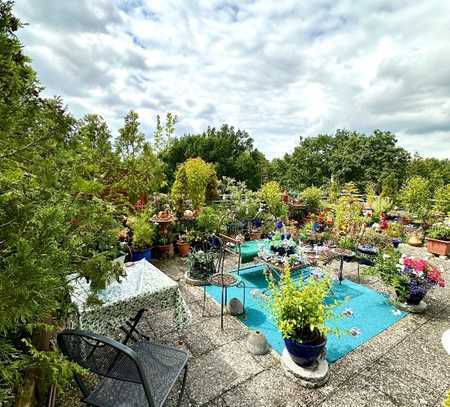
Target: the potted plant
(300, 312)
(394, 231)
(419, 276)
(438, 239)
(164, 245)
(410, 278)
(143, 234)
(200, 265)
(184, 243)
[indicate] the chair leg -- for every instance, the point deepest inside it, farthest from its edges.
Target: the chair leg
(180, 398)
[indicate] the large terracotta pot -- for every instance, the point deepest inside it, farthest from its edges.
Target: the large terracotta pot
(439, 247)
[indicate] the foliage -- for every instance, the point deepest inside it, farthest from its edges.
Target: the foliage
(436, 171)
(389, 185)
(195, 181)
(346, 243)
(243, 203)
(374, 238)
(270, 194)
(231, 151)
(312, 198)
(415, 197)
(386, 267)
(211, 220)
(440, 231)
(348, 217)
(140, 172)
(346, 156)
(299, 307)
(395, 230)
(163, 135)
(144, 232)
(442, 199)
(54, 222)
(381, 204)
(370, 194)
(201, 264)
(447, 400)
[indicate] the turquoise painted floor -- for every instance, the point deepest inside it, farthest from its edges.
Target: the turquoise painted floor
(364, 314)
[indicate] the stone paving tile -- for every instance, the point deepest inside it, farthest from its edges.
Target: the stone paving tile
(270, 388)
(423, 356)
(217, 371)
(402, 386)
(358, 393)
(207, 335)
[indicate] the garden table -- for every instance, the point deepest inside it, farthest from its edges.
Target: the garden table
(144, 286)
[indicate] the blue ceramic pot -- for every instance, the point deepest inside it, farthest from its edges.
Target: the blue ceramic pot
(304, 354)
(144, 254)
(396, 241)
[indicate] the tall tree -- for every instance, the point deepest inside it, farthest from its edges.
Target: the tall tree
(54, 226)
(231, 151)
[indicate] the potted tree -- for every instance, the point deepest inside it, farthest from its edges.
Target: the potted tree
(300, 312)
(438, 239)
(143, 234)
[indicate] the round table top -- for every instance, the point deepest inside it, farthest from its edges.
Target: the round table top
(446, 341)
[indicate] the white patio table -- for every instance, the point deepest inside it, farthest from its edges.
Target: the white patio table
(144, 286)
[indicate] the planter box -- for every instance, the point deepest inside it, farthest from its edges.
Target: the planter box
(439, 247)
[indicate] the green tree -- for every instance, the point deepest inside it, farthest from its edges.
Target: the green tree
(163, 135)
(54, 225)
(435, 170)
(416, 197)
(195, 181)
(231, 151)
(141, 172)
(346, 157)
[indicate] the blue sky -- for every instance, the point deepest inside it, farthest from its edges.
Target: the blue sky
(279, 70)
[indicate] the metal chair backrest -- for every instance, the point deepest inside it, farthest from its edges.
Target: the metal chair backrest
(102, 356)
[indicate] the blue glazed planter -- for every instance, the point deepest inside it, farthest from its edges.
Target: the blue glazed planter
(304, 354)
(145, 254)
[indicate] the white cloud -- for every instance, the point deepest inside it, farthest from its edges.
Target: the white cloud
(277, 69)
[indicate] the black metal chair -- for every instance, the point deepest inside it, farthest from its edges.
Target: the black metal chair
(141, 374)
(221, 279)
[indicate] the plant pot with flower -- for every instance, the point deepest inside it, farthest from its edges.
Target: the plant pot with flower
(142, 233)
(438, 239)
(300, 312)
(200, 267)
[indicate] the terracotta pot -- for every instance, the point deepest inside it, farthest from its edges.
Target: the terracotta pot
(165, 250)
(255, 235)
(439, 247)
(183, 248)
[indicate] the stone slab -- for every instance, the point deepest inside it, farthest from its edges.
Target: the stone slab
(312, 377)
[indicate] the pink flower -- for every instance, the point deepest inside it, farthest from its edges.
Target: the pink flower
(420, 264)
(408, 262)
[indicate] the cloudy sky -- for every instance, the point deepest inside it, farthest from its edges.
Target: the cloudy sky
(278, 69)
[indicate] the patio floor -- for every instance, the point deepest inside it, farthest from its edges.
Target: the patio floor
(403, 366)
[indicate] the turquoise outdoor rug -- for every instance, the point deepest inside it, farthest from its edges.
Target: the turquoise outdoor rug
(363, 316)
